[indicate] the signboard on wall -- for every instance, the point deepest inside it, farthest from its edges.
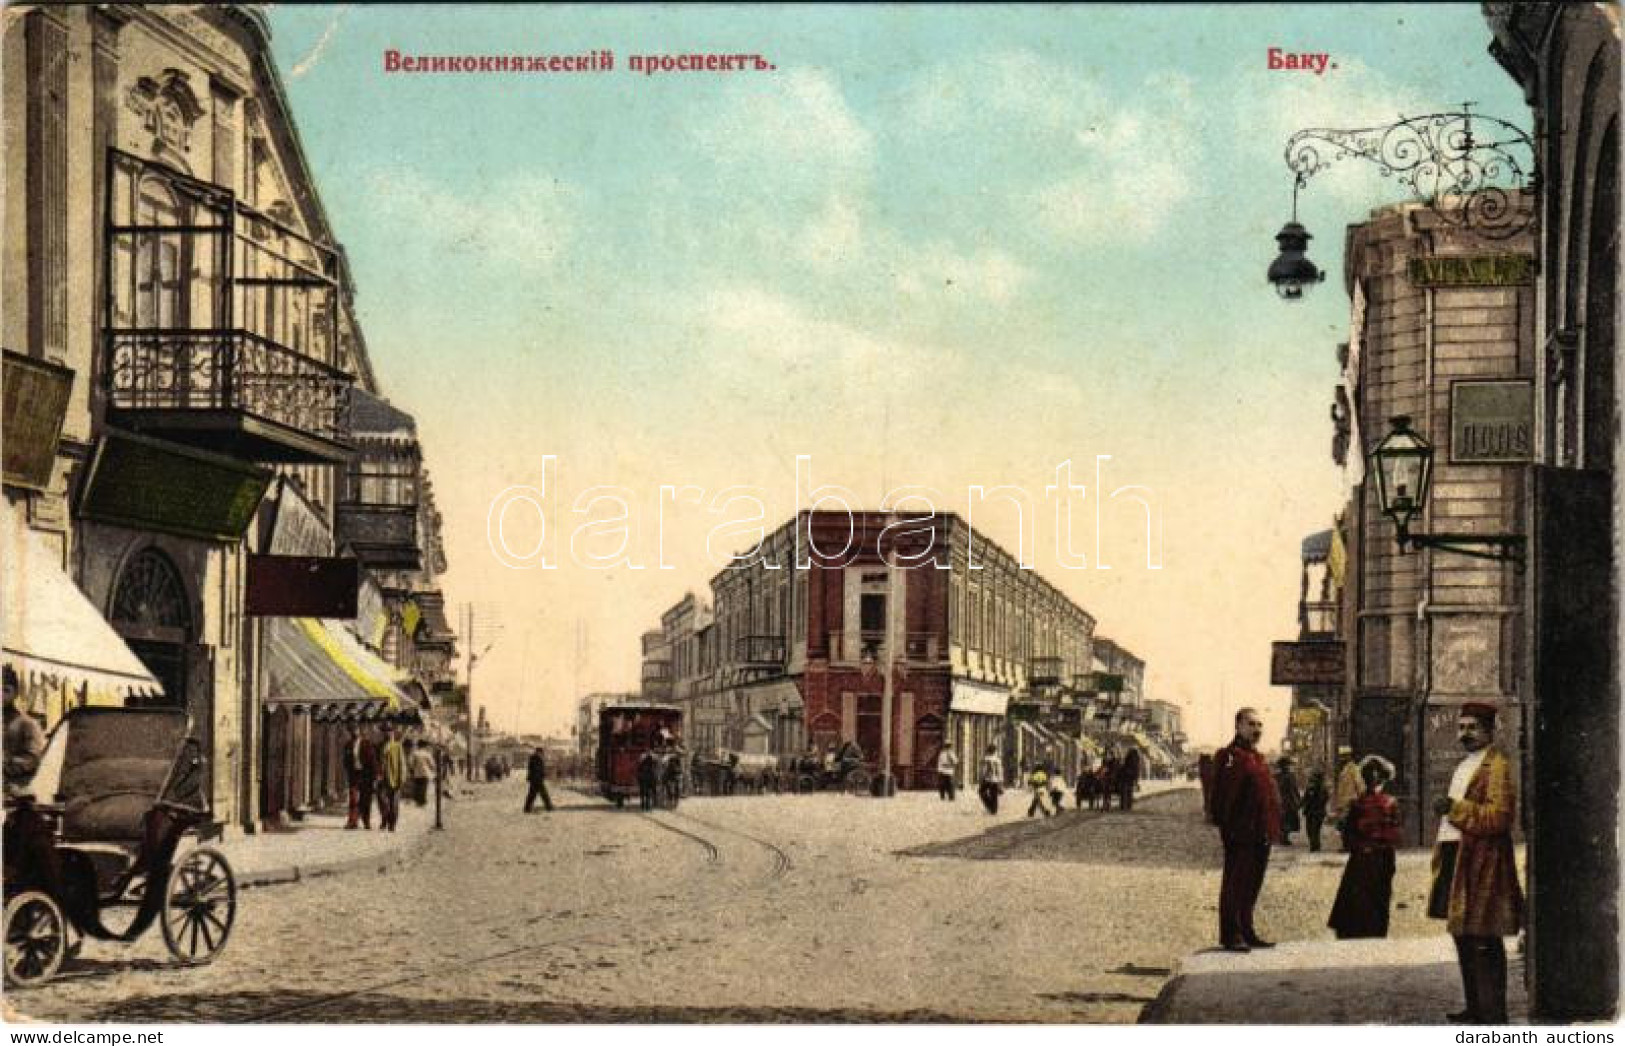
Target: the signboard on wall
(1473, 270)
(1316, 663)
(1492, 421)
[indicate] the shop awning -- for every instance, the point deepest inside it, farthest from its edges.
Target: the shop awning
(981, 700)
(52, 630)
(315, 662)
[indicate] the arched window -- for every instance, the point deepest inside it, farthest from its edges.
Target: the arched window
(150, 600)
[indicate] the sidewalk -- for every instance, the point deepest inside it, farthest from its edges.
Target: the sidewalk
(1410, 980)
(321, 845)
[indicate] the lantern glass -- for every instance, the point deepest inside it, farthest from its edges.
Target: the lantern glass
(1404, 466)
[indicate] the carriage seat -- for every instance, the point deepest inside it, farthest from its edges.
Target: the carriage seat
(112, 799)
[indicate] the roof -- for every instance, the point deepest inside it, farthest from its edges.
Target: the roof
(1317, 546)
(373, 416)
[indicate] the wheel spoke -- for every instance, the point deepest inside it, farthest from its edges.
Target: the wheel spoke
(203, 927)
(191, 948)
(219, 923)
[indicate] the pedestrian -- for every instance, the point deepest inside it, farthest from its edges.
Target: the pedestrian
(648, 779)
(1107, 781)
(536, 777)
(1088, 788)
(1057, 789)
(1128, 778)
(1348, 788)
(360, 774)
(24, 740)
(1286, 784)
(1367, 886)
(991, 783)
(947, 771)
(420, 764)
(1475, 877)
(1038, 782)
(1247, 811)
(1314, 808)
(1204, 773)
(391, 775)
(671, 777)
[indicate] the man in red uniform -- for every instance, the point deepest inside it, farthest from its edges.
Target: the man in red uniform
(1247, 810)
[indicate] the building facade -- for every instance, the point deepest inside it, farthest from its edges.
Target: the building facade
(1566, 57)
(1441, 338)
(947, 641)
(181, 354)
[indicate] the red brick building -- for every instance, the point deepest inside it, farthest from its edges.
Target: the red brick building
(804, 631)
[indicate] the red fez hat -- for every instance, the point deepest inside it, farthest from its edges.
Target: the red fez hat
(1478, 710)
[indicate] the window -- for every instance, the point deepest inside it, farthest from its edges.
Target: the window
(872, 612)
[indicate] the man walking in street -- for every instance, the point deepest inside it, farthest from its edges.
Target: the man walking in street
(1247, 811)
(1286, 786)
(1314, 808)
(391, 775)
(1128, 778)
(991, 779)
(947, 769)
(420, 761)
(1475, 876)
(360, 772)
(536, 775)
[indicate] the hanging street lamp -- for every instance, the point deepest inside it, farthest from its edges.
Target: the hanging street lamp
(1403, 463)
(1485, 186)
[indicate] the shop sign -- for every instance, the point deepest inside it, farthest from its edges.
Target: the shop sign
(302, 586)
(1473, 270)
(1492, 421)
(36, 403)
(1315, 663)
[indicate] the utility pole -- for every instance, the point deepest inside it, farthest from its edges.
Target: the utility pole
(896, 609)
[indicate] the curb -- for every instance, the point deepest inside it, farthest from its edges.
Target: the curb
(283, 874)
(1156, 1011)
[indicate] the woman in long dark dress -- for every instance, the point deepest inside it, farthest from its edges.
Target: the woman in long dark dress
(1367, 889)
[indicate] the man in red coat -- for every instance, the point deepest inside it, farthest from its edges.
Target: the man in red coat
(1247, 810)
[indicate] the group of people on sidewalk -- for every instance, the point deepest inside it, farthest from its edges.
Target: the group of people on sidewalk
(1095, 786)
(1475, 887)
(379, 767)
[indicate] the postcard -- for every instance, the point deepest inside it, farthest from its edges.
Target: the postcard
(746, 515)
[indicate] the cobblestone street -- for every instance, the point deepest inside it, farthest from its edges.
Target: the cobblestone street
(787, 908)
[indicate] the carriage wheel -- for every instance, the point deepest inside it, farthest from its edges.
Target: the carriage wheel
(857, 782)
(200, 904)
(36, 938)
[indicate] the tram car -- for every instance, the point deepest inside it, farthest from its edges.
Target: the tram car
(627, 731)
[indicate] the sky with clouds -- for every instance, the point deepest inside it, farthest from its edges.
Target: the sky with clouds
(936, 246)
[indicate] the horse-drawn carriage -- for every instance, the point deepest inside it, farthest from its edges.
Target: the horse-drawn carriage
(843, 770)
(116, 793)
(738, 773)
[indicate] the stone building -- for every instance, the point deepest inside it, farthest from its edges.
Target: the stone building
(1442, 333)
(181, 357)
(1567, 59)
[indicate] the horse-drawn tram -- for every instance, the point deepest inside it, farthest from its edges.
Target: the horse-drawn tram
(99, 831)
(629, 732)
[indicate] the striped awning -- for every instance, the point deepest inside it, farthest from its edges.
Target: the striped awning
(321, 664)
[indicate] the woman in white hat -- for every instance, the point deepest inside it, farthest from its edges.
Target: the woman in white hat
(1363, 897)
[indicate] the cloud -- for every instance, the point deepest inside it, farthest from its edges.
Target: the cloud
(524, 221)
(989, 274)
(794, 130)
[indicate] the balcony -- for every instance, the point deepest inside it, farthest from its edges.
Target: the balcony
(760, 652)
(221, 322)
(1319, 619)
(656, 672)
(384, 537)
(229, 390)
(1046, 671)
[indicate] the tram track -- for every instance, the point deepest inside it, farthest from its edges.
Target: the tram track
(713, 856)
